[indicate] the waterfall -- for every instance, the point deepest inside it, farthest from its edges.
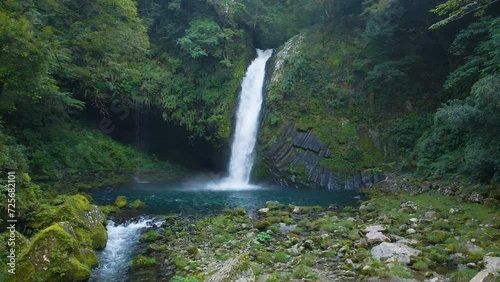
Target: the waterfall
(247, 123)
(116, 258)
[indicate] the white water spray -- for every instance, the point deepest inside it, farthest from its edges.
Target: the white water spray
(116, 258)
(245, 135)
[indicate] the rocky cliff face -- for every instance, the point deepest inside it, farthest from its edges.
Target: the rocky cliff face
(295, 160)
(312, 133)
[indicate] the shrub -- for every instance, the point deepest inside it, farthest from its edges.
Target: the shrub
(263, 237)
(463, 275)
(304, 271)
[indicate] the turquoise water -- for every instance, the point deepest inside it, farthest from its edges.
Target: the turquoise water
(176, 197)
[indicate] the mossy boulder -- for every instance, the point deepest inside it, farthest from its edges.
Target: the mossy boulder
(143, 261)
(54, 255)
(150, 236)
(137, 204)
(262, 225)
(121, 201)
(86, 219)
(109, 209)
(240, 212)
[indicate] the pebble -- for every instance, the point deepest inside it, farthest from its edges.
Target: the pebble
(411, 231)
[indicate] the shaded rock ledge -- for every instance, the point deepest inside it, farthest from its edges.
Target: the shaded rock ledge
(295, 160)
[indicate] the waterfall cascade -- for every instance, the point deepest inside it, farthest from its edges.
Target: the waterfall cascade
(114, 260)
(247, 121)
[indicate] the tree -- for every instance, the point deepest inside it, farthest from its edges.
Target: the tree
(454, 10)
(202, 38)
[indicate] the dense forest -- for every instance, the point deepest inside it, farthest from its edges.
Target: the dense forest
(391, 86)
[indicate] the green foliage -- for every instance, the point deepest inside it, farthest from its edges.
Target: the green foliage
(12, 156)
(463, 275)
(184, 279)
(304, 271)
(456, 9)
(464, 138)
(400, 271)
(202, 38)
(263, 237)
(437, 236)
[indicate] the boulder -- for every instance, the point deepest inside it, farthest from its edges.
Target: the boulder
(237, 269)
(430, 215)
(55, 255)
(483, 276)
(394, 251)
(137, 204)
(374, 235)
(86, 219)
(121, 201)
(65, 248)
(263, 211)
(492, 264)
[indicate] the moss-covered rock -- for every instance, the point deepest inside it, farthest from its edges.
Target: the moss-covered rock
(137, 204)
(240, 212)
(121, 201)
(109, 209)
(54, 255)
(87, 220)
(262, 224)
(142, 261)
(150, 236)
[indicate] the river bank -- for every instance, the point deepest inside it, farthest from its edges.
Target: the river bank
(421, 235)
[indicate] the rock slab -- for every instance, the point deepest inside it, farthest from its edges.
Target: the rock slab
(394, 251)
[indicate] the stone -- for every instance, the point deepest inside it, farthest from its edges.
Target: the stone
(474, 197)
(456, 259)
(293, 251)
(237, 269)
(492, 264)
(374, 228)
(483, 276)
(121, 201)
(456, 211)
(408, 207)
(405, 241)
(137, 204)
(263, 211)
(287, 228)
(55, 247)
(361, 244)
(471, 265)
(410, 231)
(297, 210)
(473, 247)
(374, 235)
(349, 263)
(430, 215)
(397, 251)
(413, 220)
(308, 244)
